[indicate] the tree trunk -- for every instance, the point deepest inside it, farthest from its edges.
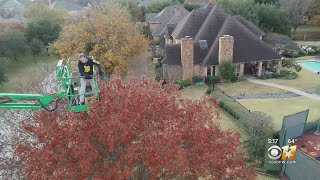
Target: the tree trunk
(34, 58)
(294, 29)
(47, 51)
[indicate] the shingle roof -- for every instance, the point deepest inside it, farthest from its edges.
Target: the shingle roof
(166, 16)
(174, 52)
(247, 46)
(251, 26)
(64, 4)
(169, 29)
(191, 24)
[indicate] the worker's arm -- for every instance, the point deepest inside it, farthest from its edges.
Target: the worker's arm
(98, 65)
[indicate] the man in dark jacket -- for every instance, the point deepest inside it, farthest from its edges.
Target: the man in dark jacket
(85, 65)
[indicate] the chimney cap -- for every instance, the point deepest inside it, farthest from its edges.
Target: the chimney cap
(226, 35)
(187, 37)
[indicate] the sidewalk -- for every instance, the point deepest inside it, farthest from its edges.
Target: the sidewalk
(296, 91)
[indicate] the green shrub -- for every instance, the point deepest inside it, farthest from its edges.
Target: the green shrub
(212, 80)
(190, 7)
(318, 50)
(183, 83)
(298, 68)
(311, 52)
(234, 78)
(288, 75)
(228, 104)
(196, 79)
(292, 65)
(227, 71)
(209, 90)
(302, 53)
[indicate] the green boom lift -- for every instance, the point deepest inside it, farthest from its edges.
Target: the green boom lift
(69, 86)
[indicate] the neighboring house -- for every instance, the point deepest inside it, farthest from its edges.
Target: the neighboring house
(159, 21)
(207, 36)
(71, 7)
(11, 10)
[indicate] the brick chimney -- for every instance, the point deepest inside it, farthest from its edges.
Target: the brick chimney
(187, 57)
(177, 11)
(226, 44)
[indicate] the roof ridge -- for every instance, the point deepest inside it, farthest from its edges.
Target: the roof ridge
(243, 29)
(184, 20)
(205, 23)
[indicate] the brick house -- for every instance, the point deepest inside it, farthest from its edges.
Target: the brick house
(170, 15)
(207, 36)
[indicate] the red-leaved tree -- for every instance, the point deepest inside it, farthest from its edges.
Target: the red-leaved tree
(138, 130)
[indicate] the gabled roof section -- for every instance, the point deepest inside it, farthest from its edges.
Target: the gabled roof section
(251, 26)
(191, 24)
(169, 15)
(173, 55)
(65, 4)
(168, 30)
(247, 45)
(211, 26)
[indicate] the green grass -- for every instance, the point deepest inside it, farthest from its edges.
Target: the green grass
(246, 87)
(25, 67)
(306, 80)
(278, 108)
(309, 43)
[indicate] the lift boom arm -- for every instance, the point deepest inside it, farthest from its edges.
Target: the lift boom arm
(27, 101)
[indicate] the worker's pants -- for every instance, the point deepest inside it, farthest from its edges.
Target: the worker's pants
(83, 88)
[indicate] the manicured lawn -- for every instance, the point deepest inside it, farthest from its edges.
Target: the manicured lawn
(25, 67)
(278, 108)
(246, 87)
(306, 80)
(225, 121)
(309, 43)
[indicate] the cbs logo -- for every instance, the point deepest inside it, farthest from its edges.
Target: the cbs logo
(286, 152)
(274, 152)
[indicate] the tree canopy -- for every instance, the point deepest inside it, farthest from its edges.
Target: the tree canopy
(12, 44)
(269, 17)
(138, 129)
(36, 12)
(3, 77)
(108, 35)
(44, 30)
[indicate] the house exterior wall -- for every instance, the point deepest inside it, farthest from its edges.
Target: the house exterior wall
(187, 58)
(172, 72)
(198, 70)
(176, 41)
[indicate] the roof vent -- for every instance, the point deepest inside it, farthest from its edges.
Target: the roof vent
(187, 36)
(203, 44)
(226, 35)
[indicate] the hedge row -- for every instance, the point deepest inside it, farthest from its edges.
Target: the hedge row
(228, 104)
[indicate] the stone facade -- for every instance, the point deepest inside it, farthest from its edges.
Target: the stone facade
(199, 70)
(172, 72)
(187, 58)
(226, 43)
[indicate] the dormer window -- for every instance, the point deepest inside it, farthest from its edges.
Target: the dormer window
(203, 44)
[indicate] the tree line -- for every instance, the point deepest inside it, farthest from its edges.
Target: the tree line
(108, 33)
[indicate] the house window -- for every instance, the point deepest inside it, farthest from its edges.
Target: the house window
(211, 70)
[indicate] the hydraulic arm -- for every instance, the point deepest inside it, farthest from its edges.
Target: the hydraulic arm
(29, 101)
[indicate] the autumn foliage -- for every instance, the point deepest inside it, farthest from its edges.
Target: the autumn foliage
(138, 129)
(107, 34)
